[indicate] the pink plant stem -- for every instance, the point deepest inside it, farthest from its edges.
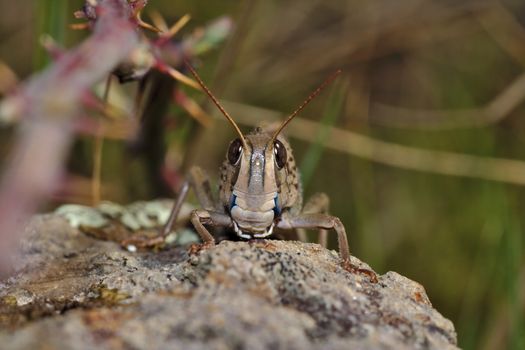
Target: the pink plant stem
(50, 101)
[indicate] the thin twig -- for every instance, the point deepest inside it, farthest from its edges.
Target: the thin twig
(178, 26)
(496, 110)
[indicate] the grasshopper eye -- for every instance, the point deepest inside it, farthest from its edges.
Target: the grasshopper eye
(280, 153)
(234, 152)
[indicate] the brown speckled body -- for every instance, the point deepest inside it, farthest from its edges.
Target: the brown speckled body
(259, 189)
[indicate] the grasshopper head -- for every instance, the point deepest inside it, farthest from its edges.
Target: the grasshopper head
(259, 182)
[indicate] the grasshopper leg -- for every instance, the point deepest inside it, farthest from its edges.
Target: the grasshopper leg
(326, 222)
(143, 242)
(200, 183)
(319, 221)
(319, 203)
(201, 186)
(176, 209)
(201, 217)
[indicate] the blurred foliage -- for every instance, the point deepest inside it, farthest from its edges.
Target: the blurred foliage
(462, 238)
(52, 15)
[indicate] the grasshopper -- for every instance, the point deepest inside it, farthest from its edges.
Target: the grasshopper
(260, 189)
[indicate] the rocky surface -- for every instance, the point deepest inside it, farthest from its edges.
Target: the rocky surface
(71, 290)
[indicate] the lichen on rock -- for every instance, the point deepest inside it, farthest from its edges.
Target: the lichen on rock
(71, 290)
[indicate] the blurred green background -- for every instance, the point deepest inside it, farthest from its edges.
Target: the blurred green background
(431, 75)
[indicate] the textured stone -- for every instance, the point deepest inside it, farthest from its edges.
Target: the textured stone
(71, 290)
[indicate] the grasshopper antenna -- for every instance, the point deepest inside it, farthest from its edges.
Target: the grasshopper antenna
(307, 101)
(216, 102)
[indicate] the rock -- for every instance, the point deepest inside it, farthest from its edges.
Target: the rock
(71, 290)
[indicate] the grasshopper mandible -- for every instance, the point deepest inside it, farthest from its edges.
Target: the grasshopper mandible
(259, 189)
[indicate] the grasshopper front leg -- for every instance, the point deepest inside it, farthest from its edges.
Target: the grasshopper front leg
(208, 215)
(201, 217)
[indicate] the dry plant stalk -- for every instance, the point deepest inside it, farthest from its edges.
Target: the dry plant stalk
(48, 103)
(509, 34)
(508, 171)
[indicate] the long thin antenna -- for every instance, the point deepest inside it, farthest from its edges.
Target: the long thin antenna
(307, 101)
(205, 88)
